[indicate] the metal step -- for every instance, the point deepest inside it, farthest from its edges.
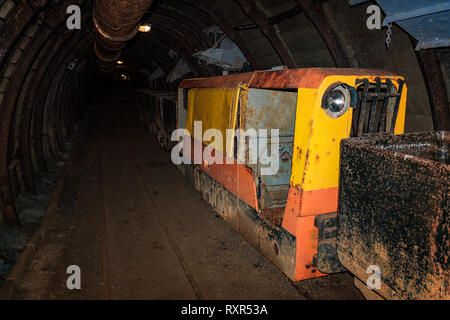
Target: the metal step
(326, 259)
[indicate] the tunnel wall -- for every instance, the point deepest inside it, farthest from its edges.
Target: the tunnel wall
(42, 81)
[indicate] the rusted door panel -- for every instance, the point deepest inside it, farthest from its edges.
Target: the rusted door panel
(272, 109)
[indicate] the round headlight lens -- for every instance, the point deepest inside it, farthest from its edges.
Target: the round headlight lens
(336, 101)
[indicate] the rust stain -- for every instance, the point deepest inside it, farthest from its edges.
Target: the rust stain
(299, 153)
(273, 215)
(284, 79)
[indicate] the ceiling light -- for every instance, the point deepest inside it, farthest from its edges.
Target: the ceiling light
(145, 28)
(119, 62)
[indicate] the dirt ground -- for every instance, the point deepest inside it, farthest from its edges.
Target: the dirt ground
(137, 231)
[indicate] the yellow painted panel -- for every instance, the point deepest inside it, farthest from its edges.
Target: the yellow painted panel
(322, 167)
(317, 138)
(303, 126)
(211, 106)
(214, 108)
(400, 123)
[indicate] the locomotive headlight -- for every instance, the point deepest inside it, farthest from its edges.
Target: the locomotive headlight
(336, 100)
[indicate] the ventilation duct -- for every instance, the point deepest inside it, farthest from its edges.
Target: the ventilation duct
(116, 21)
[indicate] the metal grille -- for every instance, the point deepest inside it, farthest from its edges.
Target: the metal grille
(377, 107)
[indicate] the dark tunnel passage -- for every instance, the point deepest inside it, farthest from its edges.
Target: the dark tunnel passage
(68, 98)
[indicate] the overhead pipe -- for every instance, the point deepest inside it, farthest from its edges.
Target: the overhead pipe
(115, 21)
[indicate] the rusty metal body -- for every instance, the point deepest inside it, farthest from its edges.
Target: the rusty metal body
(393, 213)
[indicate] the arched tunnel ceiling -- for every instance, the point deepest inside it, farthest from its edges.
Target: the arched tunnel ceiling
(47, 71)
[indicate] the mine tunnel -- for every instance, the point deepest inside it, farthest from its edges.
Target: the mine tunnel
(91, 93)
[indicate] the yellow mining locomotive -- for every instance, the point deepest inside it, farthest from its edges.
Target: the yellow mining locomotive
(290, 216)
